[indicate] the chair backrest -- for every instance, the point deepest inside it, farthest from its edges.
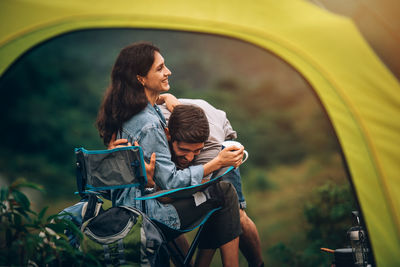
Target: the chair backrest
(99, 170)
(103, 170)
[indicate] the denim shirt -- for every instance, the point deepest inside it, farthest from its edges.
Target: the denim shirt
(147, 128)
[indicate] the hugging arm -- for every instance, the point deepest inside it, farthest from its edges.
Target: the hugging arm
(170, 101)
(166, 175)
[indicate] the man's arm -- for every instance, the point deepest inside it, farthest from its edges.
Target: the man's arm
(230, 156)
(170, 101)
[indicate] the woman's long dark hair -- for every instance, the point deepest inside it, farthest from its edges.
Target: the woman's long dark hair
(125, 97)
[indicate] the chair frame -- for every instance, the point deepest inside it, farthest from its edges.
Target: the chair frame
(84, 188)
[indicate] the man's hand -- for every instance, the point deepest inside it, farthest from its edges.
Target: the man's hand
(150, 167)
(118, 143)
(231, 156)
(150, 170)
(170, 101)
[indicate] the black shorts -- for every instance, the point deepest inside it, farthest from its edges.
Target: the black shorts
(224, 224)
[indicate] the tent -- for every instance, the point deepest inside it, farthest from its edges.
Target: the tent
(358, 92)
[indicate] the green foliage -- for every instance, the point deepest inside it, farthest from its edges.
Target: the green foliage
(328, 214)
(256, 179)
(30, 238)
(282, 255)
(329, 211)
(48, 108)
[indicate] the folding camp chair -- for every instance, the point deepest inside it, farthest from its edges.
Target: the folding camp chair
(99, 171)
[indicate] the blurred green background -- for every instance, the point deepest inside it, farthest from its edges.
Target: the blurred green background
(295, 182)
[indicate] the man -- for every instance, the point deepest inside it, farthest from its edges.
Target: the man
(222, 229)
(186, 149)
(187, 152)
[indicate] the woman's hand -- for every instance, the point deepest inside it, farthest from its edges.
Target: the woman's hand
(170, 101)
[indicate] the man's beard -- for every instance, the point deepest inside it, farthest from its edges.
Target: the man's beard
(174, 158)
(179, 165)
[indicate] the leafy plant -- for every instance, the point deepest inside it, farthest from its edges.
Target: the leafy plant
(28, 238)
(328, 215)
(328, 212)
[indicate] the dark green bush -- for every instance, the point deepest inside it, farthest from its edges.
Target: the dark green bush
(28, 238)
(328, 216)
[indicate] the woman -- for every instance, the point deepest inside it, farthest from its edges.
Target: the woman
(129, 107)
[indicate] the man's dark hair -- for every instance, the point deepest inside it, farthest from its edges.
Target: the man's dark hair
(188, 124)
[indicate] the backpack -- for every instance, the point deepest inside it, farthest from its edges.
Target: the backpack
(119, 235)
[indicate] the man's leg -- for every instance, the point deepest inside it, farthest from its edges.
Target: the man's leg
(229, 255)
(204, 257)
(250, 244)
(222, 229)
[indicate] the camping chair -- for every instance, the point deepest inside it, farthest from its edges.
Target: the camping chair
(99, 171)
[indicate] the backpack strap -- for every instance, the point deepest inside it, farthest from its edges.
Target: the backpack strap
(121, 252)
(90, 210)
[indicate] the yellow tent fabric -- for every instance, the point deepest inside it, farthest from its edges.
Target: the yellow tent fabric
(359, 94)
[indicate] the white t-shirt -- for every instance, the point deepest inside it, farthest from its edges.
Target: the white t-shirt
(220, 128)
